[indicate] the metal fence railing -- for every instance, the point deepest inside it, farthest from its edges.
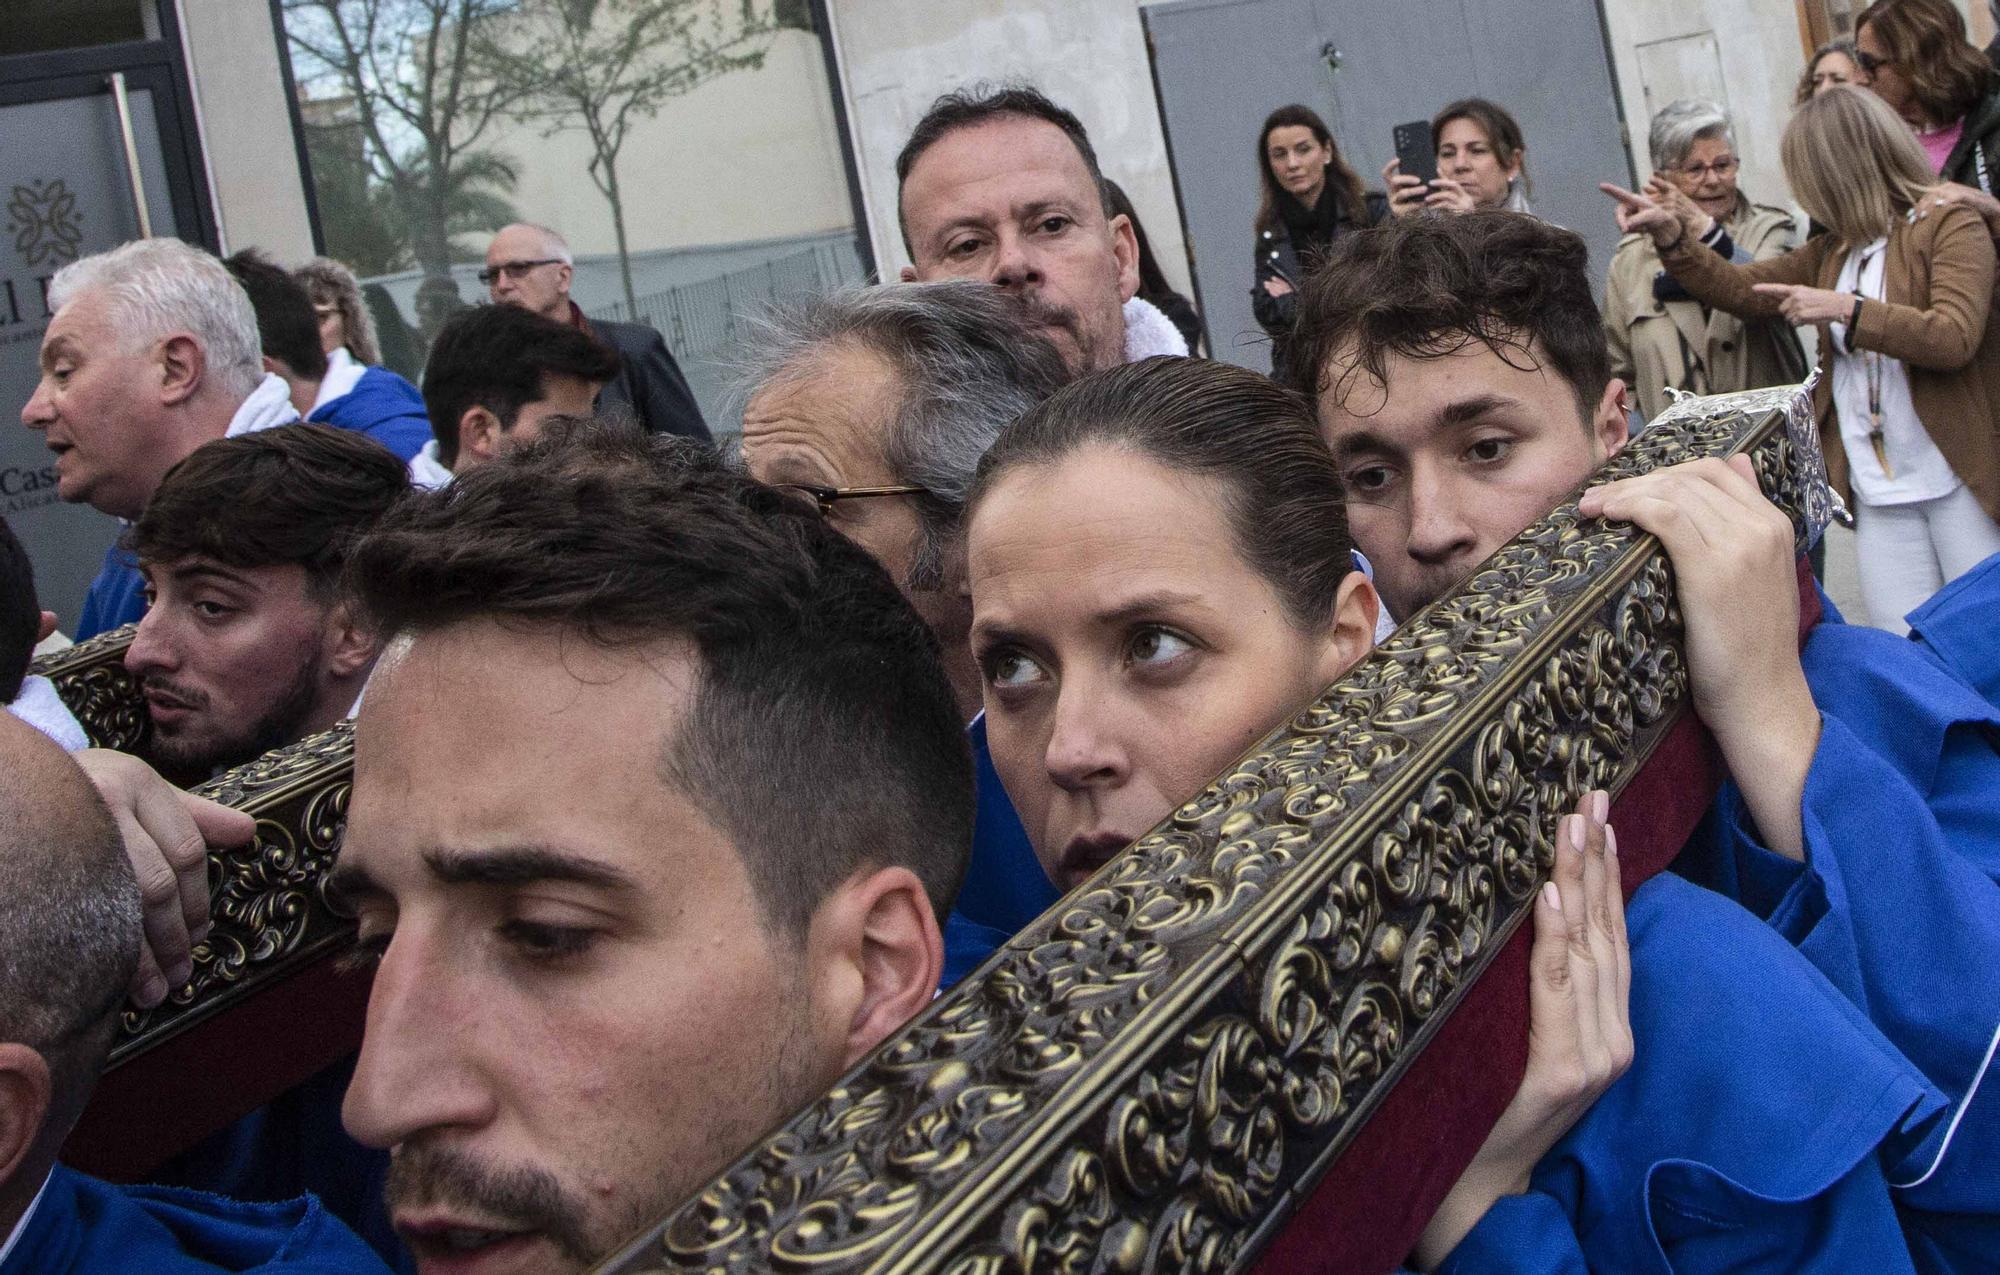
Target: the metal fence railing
(703, 319)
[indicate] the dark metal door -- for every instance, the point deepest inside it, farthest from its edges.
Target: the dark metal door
(1221, 66)
(68, 188)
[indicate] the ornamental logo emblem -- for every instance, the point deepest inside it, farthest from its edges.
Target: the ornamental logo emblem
(43, 219)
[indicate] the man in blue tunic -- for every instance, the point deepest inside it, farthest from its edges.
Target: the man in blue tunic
(368, 400)
(1462, 379)
(152, 352)
(876, 405)
(69, 924)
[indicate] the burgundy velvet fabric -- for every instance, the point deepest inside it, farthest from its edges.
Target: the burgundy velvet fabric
(174, 1095)
(1366, 1213)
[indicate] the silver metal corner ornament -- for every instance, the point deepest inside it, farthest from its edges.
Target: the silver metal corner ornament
(1822, 505)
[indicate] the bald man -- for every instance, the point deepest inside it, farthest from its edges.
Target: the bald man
(531, 267)
(69, 924)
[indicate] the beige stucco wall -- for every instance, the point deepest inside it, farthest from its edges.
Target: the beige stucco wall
(1088, 55)
(246, 126)
(749, 155)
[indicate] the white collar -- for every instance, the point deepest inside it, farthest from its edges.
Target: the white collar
(1148, 332)
(41, 707)
(343, 373)
(269, 404)
(27, 1214)
(426, 470)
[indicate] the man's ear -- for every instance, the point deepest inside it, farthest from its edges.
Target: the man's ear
(46, 627)
(1611, 423)
(1125, 246)
(26, 1091)
(877, 952)
(564, 273)
(908, 274)
(478, 435)
(350, 646)
(183, 363)
(1352, 634)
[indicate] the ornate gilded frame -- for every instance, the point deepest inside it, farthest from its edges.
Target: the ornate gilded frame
(91, 678)
(1155, 1073)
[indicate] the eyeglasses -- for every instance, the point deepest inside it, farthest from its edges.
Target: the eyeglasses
(1868, 62)
(515, 269)
(1721, 168)
(824, 498)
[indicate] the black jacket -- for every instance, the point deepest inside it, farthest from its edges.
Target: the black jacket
(1278, 258)
(1975, 161)
(649, 383)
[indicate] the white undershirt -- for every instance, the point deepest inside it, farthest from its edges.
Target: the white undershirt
(21, 1226)
(1920, 470)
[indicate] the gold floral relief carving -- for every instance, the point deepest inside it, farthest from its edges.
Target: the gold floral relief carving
(1145, 1076)
(268, 904)
(91, 679)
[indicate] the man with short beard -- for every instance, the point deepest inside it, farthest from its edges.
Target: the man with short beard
(659, 791)
(1002, 186)
(247, 646)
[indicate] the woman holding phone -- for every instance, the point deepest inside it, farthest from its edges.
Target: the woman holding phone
(1901, 290)
(1311, 197)
(1482, 162)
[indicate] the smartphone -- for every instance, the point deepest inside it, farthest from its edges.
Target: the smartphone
(1416, 153)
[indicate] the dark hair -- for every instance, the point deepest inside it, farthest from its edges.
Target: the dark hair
(499, 357)
(1502, 130)
(1843, 46)
(975, 105)
(1152, 279)
(20, 614)
(1260, 441)
(823, 735)
(1340, 176)
(287, 327)
(1424, 287)
(298, 495)
(1926, 40)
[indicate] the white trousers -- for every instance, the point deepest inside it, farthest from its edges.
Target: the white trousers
(1908, 552)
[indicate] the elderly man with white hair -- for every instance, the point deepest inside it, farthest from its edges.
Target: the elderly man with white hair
(152, 352)
(1663, 338)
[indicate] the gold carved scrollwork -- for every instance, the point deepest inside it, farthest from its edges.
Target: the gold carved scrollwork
(1144, 1076)
(268, 901)
(92, 681)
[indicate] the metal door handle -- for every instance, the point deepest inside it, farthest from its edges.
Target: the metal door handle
(131, 153)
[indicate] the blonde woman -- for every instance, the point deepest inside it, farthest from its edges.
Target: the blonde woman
(344, 322)
(1909, 399)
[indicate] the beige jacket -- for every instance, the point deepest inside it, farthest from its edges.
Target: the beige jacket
(1937, 285)
(1656, 344)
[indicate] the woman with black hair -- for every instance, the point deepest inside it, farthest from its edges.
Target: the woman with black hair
(1311, 198)
(1153, 285)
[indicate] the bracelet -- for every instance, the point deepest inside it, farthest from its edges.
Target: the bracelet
(1854, 319)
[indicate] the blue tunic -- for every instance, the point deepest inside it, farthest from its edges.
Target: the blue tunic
(1005, 887)
(117, 596)
(1758, 1128)
(90, 1227)
(1960, 628)
(385, 407)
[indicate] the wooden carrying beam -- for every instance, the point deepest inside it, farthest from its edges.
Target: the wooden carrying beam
(1155, 1073)
(265, 1007)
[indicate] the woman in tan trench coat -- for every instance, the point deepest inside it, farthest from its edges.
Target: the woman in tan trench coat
(1901, 289)
(1662, 337)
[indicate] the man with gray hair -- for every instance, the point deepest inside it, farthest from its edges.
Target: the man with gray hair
(69, 942)
(876, 404)
(1660, 336)
(152, 352)
(531, 267)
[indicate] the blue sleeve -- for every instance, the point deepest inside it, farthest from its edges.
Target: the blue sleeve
(116, 597)
(1519, 1233)
(1906, 926)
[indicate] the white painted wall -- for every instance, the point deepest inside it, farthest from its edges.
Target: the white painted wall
(1087, 55)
